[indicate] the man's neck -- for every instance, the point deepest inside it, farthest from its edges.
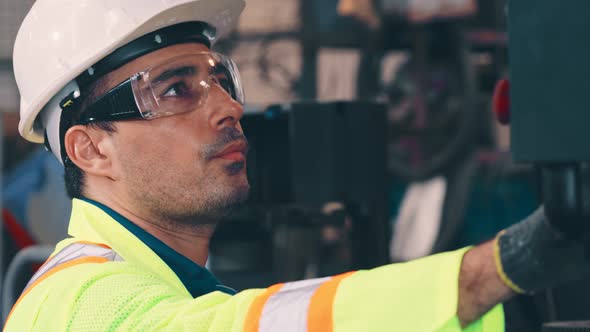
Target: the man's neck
(191, 242)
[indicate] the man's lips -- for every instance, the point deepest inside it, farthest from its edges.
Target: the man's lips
(235, 152)
(235, 156)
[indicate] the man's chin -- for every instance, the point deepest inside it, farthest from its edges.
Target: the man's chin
(232, 202)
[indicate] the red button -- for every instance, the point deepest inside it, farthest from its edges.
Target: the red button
(501, 101)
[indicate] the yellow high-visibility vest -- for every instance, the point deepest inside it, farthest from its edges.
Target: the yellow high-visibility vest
(104, 278)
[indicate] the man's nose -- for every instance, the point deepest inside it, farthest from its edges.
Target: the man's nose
(225, 111)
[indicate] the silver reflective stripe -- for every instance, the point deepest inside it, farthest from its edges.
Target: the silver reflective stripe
(286, 310)
(72, 252)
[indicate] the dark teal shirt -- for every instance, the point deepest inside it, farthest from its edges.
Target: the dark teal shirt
(197, 280)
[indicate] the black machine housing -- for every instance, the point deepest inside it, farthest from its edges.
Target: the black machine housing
(549, 56)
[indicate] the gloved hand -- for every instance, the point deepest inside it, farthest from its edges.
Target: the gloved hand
(533, 255)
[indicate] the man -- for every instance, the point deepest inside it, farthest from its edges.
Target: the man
(145, 119)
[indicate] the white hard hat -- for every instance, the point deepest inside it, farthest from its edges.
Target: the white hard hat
(60, 39)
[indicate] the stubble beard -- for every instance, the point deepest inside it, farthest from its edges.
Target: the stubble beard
(176, 202)
(201, 205)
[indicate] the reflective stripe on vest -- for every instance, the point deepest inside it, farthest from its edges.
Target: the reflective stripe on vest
(74, 251)
(295, 307)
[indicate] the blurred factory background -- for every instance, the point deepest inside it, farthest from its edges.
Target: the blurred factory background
(373, 141)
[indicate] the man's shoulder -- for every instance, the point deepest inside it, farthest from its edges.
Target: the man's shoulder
(78, 259)
(55, 296)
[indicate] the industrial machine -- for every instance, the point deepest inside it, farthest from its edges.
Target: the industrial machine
(549, 117)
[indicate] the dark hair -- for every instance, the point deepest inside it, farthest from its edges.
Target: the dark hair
(74, 176)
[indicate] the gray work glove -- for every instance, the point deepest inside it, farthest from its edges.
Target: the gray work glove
(532, 255)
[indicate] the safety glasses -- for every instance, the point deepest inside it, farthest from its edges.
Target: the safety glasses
(180, 85)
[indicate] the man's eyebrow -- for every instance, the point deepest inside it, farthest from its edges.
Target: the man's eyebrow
(179, 71)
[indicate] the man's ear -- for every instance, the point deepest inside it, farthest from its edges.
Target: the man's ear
(91, 150)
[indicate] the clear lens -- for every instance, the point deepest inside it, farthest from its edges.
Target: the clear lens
(182, 84)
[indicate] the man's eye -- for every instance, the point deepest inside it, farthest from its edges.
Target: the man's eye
(224, 83)
(177, 89)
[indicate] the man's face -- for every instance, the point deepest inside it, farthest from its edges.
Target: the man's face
(188, 168)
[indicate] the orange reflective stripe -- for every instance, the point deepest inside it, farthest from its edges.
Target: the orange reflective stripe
(74, 251)
(319, 316)
(255, 312)
(298, 306)
(94, 244)
(286, 310)
(82, 260)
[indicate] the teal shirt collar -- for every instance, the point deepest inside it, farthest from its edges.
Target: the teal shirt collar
(197, 280)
